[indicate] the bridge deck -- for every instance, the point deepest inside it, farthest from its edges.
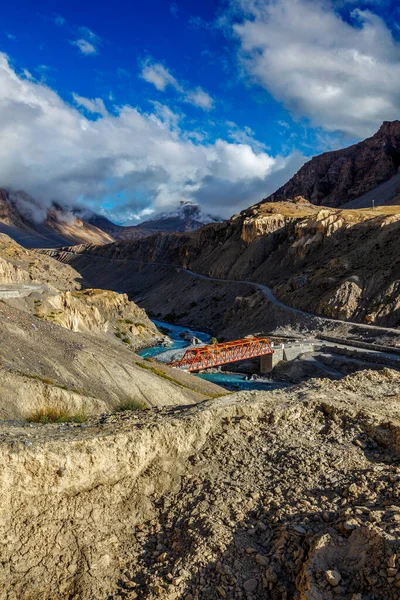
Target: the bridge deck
(214, 355)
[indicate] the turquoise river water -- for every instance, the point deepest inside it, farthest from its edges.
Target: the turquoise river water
(229, 380)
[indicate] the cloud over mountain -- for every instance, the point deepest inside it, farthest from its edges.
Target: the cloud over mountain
(128, 159)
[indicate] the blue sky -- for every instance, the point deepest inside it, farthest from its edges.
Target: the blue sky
(132, 108)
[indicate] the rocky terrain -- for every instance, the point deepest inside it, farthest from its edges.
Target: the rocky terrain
(70, 348)
(289, 494)
(336, 178)
(156, 484)
(335, 263)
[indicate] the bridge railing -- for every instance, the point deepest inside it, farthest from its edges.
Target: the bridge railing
(214, 355)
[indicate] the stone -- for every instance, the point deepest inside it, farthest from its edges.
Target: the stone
(221, 591)
(333, 577)
(350, 525)
(250, 585)
(262, 560)
(299, 529)
(158, 589)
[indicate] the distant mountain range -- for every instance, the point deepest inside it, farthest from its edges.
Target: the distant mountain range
(188, 216)
(32, 226)
(360, 176)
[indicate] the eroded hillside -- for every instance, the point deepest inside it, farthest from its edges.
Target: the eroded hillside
(286, 494)
(72, 349)
(336, 263)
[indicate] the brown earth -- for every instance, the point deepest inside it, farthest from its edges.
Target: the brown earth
(19, 265)
(289, 494)
(342, 264)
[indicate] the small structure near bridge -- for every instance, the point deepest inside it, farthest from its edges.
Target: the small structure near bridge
(214, 355)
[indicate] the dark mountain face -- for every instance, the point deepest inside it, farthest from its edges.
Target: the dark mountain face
(104, 224)
(336, 178)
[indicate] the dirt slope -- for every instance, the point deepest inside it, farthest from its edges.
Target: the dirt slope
(287, 494)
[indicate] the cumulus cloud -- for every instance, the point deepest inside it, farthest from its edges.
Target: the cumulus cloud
(200, 98)
(126, 159)
(343, 76)
(161, 78)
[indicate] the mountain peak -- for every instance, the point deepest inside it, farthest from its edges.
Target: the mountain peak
(342, 176)
(188, 215)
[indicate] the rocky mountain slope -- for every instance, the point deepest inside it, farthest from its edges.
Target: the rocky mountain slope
(330, 262)
(336, 178)
(31, 225)
(70, 348)
(286, 494)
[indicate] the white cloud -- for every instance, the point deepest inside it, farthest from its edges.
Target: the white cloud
(84, 46)
(53, 152)
(10, 36)
(342, 76)
(200, 98)
(88, 42)
(95, 106)
(161, 78)
(158, 75)
(244, 136)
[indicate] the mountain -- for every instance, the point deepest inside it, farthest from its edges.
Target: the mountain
(330, 262)
(27, 222)
(360, 174)
(188, 216)
(306, 242)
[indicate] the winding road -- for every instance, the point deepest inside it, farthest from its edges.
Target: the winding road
(20, 290)
(268, 293)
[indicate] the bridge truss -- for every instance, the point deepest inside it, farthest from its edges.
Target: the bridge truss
(214, 355)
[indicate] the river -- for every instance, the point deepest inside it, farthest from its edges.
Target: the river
(229, 380)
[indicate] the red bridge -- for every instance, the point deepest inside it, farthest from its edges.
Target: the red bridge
(213, 355)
